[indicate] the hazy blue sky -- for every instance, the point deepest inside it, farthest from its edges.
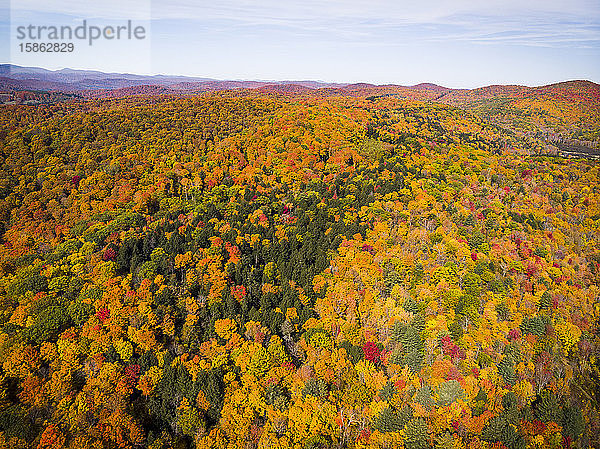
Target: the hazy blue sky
(457, 43)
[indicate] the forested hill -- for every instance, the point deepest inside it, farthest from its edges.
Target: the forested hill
(294, 270)
(565, 115)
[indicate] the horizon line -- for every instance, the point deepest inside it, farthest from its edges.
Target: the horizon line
(292, 81)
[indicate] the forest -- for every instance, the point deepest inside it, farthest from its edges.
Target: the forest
(251, 269)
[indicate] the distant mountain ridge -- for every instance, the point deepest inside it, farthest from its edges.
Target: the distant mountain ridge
(97, 84)
(73, 80)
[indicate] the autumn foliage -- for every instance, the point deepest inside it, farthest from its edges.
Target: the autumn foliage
(253, 270)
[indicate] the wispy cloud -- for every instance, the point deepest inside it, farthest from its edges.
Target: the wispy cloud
(539, 30)
(508, 21)
(531, 22)
(100, 9)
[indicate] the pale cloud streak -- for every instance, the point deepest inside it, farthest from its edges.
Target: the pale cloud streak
(533, 22)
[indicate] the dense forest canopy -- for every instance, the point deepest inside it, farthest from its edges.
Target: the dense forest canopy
(259, 270)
